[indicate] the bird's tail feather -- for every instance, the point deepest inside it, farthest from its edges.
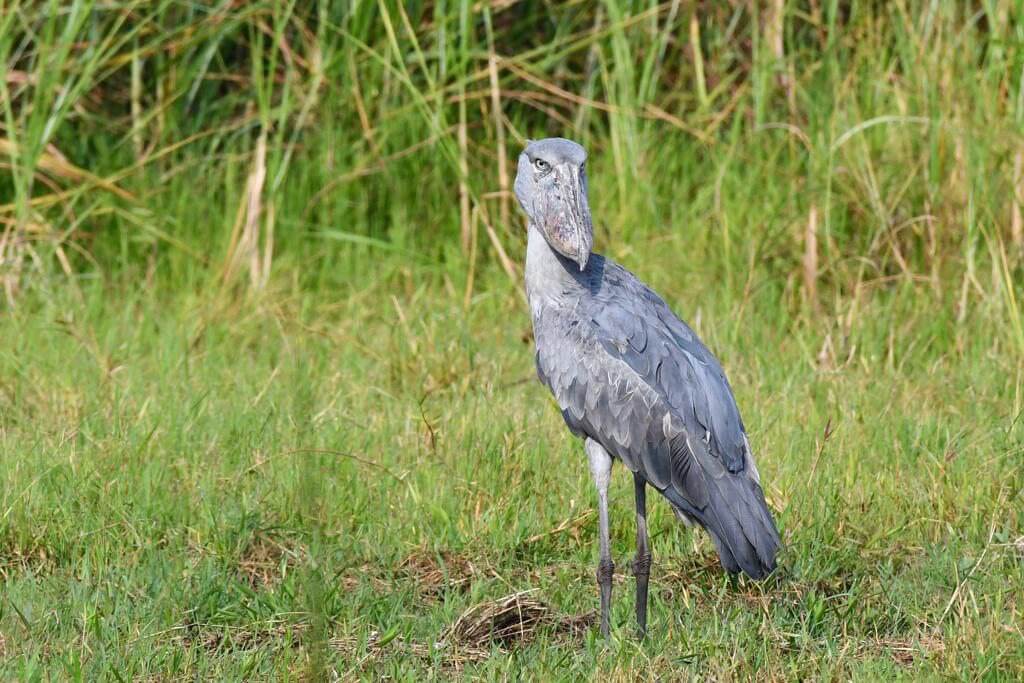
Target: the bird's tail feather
(740, 524)
(745, 532)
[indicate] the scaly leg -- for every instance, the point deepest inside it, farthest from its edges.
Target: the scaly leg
(642, 561)
(601, 469)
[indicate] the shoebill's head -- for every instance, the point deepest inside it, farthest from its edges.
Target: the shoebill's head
(551, 185)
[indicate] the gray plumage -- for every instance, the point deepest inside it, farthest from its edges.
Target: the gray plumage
(631, 376)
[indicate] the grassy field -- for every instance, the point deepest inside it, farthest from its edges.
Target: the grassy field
(267, 399)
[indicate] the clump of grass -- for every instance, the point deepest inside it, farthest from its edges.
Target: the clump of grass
(508, 622)
(512, 618)
(436, 575)
(266, 560)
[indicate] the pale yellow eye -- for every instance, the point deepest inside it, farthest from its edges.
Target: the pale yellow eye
(541, 165)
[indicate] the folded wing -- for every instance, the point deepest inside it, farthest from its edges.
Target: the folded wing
(631, 375)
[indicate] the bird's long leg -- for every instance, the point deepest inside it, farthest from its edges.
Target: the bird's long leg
(601, 469)
(642, 561)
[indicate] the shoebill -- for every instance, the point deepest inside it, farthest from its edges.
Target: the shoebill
(634, 381)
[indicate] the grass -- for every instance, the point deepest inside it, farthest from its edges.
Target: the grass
(191, 492)
(267, 400)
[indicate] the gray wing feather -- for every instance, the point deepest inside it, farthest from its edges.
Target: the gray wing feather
(631, 375)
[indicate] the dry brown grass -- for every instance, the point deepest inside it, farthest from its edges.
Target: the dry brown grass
(512, 619)
(436, 573)
(266, 561)
(214, 638)
(508, 622)
(16, 558)
(905, 651)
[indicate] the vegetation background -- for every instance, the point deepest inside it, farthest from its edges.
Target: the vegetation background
(267, 406)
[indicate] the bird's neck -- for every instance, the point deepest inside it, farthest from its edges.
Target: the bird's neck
(550, 276)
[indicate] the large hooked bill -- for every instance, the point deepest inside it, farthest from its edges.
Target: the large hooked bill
(567, 224)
